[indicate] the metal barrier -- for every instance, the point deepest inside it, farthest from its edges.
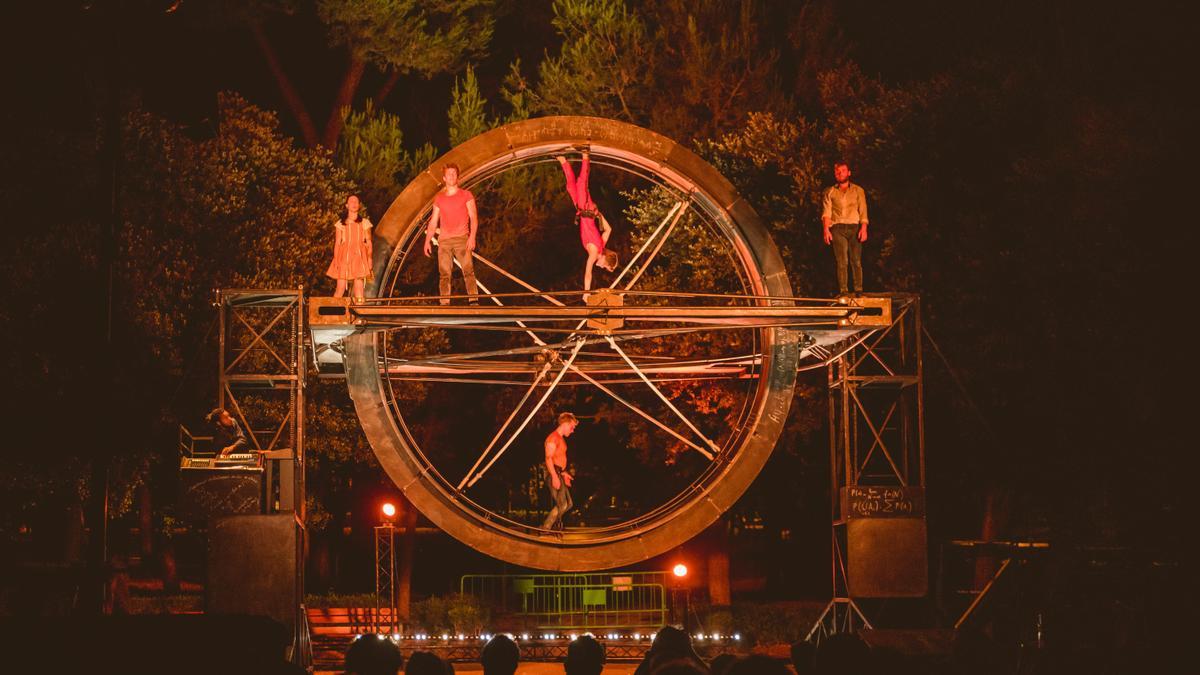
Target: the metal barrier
(614, 600)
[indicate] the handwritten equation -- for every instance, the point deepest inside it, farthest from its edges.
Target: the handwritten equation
(883, 501)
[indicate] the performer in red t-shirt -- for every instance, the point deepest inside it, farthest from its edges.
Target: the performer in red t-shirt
(454, 210)
(593, 238)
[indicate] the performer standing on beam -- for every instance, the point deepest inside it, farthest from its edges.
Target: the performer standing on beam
(351, 249)
(844, 222)
(557, 478)
(454, 210)
(593, 238)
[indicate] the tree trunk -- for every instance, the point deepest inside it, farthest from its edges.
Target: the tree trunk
(145, 522)
(321, 563)
(345, 96)
(995, 522)
(718, 565)
(393, 78)
(407, 542)
(170, 573)
(291, 98)
(74, 540)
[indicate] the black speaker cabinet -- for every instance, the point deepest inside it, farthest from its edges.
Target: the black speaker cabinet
(212, 493)
(887, 557)
(252, 567)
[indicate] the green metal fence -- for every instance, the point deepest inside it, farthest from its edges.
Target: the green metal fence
(615, 600)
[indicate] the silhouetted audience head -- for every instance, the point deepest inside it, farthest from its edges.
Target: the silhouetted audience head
(373, 655)
(424, 663)
(802, 656)
(841, 653)
(721, 663)
(670, 644)
(585, 656)
(500, 656)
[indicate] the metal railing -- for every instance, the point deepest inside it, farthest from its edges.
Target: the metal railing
(188, 443)
(616, 600)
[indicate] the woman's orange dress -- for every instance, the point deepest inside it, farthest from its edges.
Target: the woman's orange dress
(351, 251)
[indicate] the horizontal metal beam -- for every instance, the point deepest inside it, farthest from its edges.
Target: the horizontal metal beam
(482, 366)
(330, 312)
(450, 314)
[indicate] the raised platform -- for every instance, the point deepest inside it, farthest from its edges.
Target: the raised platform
(826, 324)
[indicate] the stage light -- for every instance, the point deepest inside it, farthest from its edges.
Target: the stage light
(524, 636)
(680, 570)
(737, 636)
(389, 510)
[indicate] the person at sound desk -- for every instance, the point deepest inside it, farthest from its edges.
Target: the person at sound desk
(227, 433)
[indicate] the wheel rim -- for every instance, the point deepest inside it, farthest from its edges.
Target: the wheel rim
(745, 451)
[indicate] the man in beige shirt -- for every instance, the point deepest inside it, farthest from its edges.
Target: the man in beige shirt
(844, 218)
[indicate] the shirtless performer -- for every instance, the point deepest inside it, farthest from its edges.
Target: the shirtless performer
(557, 478)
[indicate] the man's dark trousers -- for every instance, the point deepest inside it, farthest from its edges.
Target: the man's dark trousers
(847, 249)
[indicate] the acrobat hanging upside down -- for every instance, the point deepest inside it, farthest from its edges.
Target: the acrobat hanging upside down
(594, 238)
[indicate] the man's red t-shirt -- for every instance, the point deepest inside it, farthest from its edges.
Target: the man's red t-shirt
(454, 220)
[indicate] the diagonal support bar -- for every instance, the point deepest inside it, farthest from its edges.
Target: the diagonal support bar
(633, 366)
(537, 407)
(634, 408)
(528, 392)
(646, 244)
(657, 248)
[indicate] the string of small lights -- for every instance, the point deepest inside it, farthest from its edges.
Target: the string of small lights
(546, 637)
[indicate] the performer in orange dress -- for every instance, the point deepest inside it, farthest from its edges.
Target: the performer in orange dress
(351, 249)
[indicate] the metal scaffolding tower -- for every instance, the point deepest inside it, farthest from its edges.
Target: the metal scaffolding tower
(877, 470)
(385, 579)
(262, 383)
(261, 378)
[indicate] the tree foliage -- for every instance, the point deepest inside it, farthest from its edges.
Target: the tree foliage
(686, 68)
(422, 36)
(371, 151)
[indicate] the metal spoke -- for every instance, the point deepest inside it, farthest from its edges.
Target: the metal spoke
(536, 407)
(664, 398)
(657, 248)
(517, 280)
(678, 206)
(528, 392)
(641, 412)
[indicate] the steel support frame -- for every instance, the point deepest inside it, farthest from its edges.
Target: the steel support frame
(261, 382)
(876, 437)
(386, 621)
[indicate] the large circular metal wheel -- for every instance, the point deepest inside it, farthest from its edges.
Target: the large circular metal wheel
(743, 450)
